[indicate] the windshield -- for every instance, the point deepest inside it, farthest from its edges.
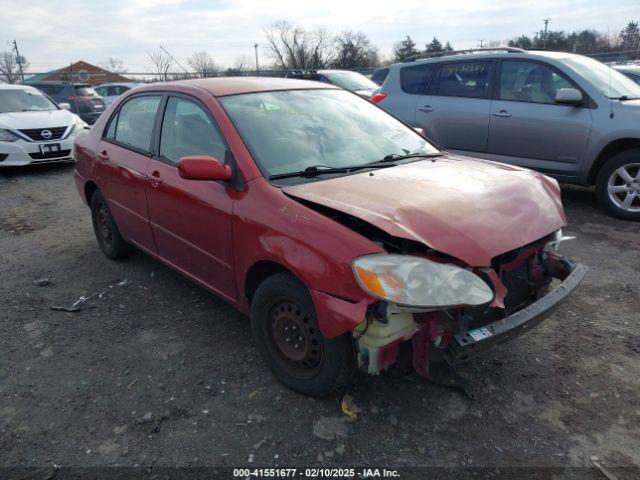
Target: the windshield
(607, 80)
(289, 131)
(24, 100)
(351, 81)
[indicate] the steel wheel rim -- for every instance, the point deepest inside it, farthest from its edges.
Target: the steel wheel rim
(623, 187)
(104, 225)
(295, 339)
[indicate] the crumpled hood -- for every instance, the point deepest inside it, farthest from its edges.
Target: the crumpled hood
(470, 209)
(46, 119)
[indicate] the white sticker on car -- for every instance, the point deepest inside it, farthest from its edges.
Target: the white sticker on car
(480, 334)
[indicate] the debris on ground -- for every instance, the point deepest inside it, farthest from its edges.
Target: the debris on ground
(330, 428)
(42, 282)
(75, 306)
(598, 464)
(348, 407)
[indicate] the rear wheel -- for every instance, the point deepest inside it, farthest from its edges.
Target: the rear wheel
(104, 226)
(618, 185)
(285, 329)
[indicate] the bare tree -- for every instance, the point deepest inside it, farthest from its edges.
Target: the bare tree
(161, 63)
(296, 48)
(354, 50)
(204, 66)
(10, 68)
(113, 65)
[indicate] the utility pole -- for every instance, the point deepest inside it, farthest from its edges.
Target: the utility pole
(257, 67)
(18, 59)
(480, 43)
(544, 40)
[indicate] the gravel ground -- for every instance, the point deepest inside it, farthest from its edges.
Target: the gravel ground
(157, 372)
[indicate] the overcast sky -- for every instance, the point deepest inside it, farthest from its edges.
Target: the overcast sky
(52, 34)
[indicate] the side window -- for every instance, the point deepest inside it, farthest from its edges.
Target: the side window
(102, 91)
(530, 82)
(463, 79)
(133, 125)
(111, 130)
(414, 79)
(188, 130)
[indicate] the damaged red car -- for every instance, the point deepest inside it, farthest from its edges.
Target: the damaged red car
(349, 239)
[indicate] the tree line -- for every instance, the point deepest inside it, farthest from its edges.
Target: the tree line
(292, 47)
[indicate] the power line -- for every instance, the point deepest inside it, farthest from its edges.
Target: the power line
(173, 58)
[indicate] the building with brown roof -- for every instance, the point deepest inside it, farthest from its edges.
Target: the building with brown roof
(80, 72)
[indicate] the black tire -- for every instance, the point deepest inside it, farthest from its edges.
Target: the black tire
(282, 300)
(104, 226)
(609, 178)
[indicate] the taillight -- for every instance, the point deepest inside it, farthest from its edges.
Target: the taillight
(378, 97)
(80, 98)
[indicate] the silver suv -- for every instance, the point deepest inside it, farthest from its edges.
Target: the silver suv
(566, 115)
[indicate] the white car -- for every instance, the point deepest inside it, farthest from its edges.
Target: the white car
(33, 129)
(110, 91)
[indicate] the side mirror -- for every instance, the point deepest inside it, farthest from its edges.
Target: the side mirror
(203, 167)
(568, 96)
(65, 106)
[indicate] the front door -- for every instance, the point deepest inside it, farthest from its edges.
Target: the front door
(191, 219)
(528, 128)
(123, 156)
(454, 112)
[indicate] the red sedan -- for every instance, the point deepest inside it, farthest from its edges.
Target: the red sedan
(343, 233)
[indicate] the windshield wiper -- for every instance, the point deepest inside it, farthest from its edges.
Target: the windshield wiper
(622, 98)
(315, 170)
(395, 156)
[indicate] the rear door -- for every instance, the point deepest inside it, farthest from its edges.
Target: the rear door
(191, 220)
(454, 111)
(123, 155)
(528, 128)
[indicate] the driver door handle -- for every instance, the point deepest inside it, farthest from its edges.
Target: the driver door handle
(155, 178)
(103, 156)
(501, 113)
(426, 108)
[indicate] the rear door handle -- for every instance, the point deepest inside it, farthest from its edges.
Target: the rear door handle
(103, 156)
(155, 178)
(426, 108)
(501, 113)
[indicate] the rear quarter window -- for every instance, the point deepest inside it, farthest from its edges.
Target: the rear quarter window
(414, 79)
(462, 79)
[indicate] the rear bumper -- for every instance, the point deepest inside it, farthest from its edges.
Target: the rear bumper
(467, 345)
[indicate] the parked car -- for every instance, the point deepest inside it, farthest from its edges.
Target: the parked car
(81, 98)
(352, 81)
(566, 115)
(343, 233)
(379, 75)
(33, 129)
(631, 71)
(110, 91)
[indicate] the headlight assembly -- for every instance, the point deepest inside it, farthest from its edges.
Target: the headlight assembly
(417, 282)
(6, 136)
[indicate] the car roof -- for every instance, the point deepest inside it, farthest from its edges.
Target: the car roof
(222, 86)
(14, 86)
(118, 84)
(524, 54)
(627, 68)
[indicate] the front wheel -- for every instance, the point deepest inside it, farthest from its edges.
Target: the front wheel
(285, 329)
(618, 185)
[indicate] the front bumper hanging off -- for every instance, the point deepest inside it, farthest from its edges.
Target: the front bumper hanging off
(466, 345)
